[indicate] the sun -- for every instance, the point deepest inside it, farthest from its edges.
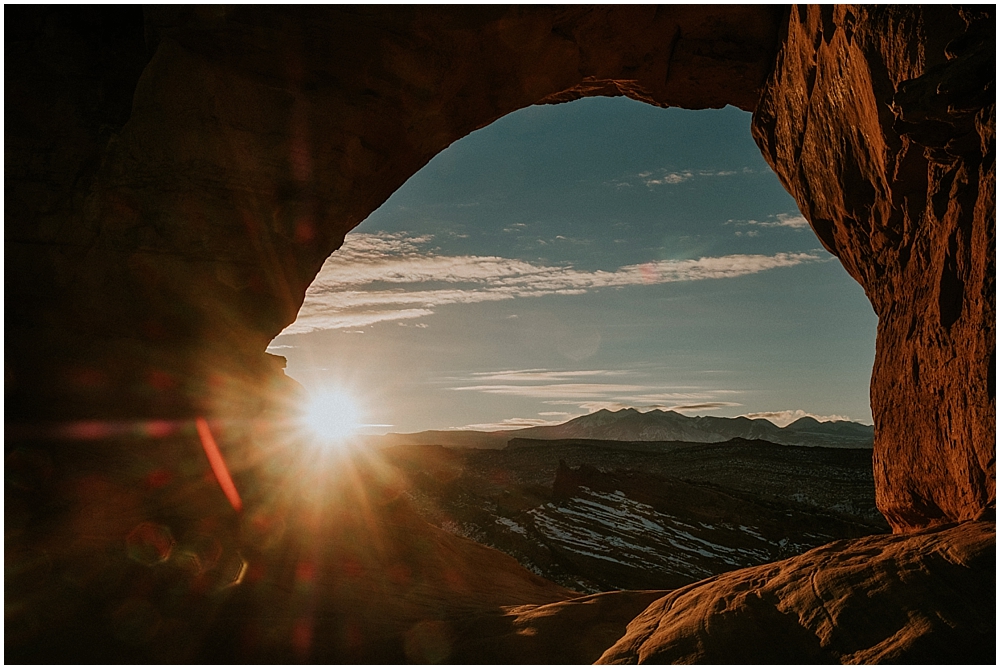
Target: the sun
(332, 416)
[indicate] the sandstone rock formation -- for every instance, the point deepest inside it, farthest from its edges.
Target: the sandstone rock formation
(175, 177)
(153, 252)
(575, 631)
(881, 122)
(914, 598)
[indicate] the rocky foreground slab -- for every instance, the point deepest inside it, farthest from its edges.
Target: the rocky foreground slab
(922, 597)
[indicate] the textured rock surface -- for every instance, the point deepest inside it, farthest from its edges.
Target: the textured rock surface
(881, 122)
(576, 631)
(925, 597)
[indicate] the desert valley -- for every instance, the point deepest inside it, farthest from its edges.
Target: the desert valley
(596, 515)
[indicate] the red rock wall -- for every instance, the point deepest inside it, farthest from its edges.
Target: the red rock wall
(880, 121)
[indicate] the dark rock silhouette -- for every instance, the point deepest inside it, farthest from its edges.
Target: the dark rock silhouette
(632, 425)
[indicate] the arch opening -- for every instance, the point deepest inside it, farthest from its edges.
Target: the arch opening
(600, 254)
(604, 270)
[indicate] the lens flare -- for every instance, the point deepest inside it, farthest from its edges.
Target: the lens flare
(332, 416)
(218, 464)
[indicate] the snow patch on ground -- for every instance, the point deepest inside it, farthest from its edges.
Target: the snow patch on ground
(615, 528)
(511, 525)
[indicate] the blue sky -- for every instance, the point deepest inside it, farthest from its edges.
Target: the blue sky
(597, 254)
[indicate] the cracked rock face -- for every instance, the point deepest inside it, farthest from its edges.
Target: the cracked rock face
(881, 123)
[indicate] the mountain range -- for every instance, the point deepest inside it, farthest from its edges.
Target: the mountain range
(656, 425)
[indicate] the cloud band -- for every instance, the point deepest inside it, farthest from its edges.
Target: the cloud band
(391, 277)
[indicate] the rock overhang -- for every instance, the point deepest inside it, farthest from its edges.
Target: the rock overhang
(153, 249)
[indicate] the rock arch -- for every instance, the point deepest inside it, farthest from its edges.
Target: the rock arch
(175, 177)
(152, 252)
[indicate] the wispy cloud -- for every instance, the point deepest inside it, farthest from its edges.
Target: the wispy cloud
(534, 375)
(783, 418)
(551, 418)
(326, 317)
(565, 391)
(795, 221)
(510, 424)
(672, 178)
(389, 277)
(667, 177)
(588, 391)
(641, 406)
(704, 406)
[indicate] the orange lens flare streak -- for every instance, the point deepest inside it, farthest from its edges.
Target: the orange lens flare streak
(218, 464)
